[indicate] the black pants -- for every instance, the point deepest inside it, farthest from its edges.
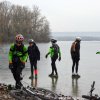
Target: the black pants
(53, 64)
(33, 65)
(17, 71)
(75, 63)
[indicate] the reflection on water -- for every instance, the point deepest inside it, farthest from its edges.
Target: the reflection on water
(75, 87)
(54, 83)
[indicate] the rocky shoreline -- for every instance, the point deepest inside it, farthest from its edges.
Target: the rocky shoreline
(4, 92)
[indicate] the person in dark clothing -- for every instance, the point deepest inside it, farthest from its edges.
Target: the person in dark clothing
(75, 54)
(54, 52)
(34, 56)
(17, 57)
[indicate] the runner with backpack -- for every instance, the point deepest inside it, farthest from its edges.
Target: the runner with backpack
(55, 54)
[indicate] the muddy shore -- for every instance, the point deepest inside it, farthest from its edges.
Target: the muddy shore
(4, 92)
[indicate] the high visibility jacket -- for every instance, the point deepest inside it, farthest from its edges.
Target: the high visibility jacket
(54, 52)
(18, 51)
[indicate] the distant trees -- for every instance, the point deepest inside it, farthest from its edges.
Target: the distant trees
(16, 19)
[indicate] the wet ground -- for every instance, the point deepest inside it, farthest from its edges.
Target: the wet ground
(89, 69)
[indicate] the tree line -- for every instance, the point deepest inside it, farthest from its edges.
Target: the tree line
(15, 19)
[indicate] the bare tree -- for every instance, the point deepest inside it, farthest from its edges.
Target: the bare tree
(18, 19)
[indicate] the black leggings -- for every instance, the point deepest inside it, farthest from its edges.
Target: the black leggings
(53, 60)
(17, 71)
(33, 64)
(75, 62)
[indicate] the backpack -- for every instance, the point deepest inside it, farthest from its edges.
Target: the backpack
(56, 49)
(73, 46)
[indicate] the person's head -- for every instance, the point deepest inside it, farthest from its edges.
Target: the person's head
(19, 39)
(78, 39)
(53, 41)
(31, 42)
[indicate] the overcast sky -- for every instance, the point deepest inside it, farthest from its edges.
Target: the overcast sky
(68, 15)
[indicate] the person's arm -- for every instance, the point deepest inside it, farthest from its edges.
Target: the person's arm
(25, 55)
(38, 53)
(59, 52)
(77, 49)
(98, 52)
(10, 55)
(28, 51)
(50, 50)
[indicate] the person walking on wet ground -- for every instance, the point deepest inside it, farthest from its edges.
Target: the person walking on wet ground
(75, 55)
(55, 54)
(34, 56)
(17, 57)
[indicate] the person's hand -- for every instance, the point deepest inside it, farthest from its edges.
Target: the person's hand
(23, 65)
(59, 58)
(98, 52)
(10, 66)
(46, 56)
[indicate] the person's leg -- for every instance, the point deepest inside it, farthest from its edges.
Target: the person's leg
(32, 70)
(77, 63)
(18, 77)
(73, 65)
(56, 70)
(13, 70)
(35, 68)
(54, 65)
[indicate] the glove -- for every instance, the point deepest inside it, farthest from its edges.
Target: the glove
(59, 58)
(46, 56)
(98, 52)
(10, 66)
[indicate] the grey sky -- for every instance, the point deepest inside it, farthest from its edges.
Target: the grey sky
(68, 15)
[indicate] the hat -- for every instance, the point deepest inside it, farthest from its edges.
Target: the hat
(78, 38)
(53, 40)
(31, 41)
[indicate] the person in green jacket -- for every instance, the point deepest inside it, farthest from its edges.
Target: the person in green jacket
(18, 55)
(55, 54)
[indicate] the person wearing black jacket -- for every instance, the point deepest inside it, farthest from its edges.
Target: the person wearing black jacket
(75, 54)
(34, 56)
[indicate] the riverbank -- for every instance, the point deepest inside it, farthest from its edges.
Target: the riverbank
(4, 92)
